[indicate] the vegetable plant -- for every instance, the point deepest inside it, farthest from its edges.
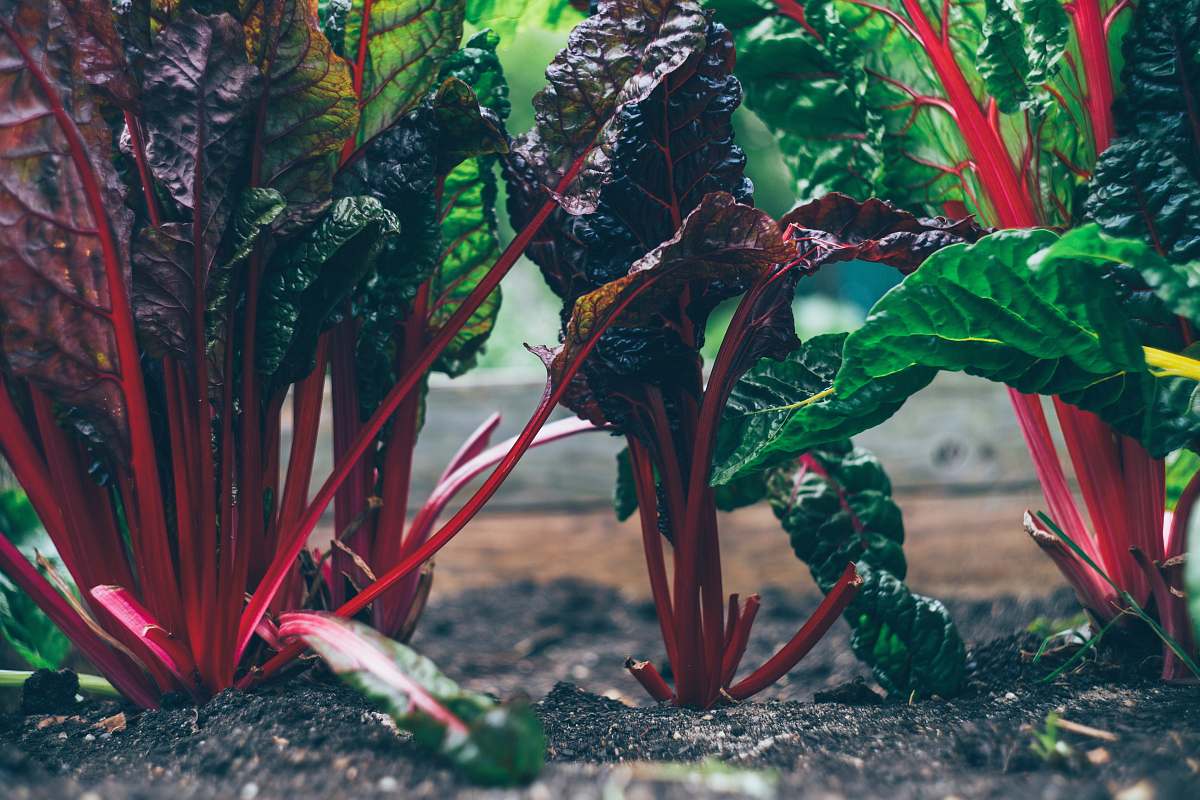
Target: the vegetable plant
(202, 217)
(1026, 115)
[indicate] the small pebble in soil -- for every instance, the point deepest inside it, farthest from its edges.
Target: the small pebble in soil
(249, 791)
(388, 784)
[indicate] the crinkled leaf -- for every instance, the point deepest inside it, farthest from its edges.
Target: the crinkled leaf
(839, 228)
(64, 230)
(615, 57)
(1022, 40)
(197, 93)
(257, 208)
(722, 245)
(306, 281)
(1161, 101)
(405, 43)
(492, 743)
(101, 53)
(1143, 190)
(673, 148)
(307, 108)
(1177, 285)
(836, 506)
(465, 128)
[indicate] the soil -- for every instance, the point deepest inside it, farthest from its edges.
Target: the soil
(564, 644)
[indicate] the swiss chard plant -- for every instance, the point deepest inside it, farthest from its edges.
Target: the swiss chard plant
(1027, 115)
(204, 213)
(653, 236)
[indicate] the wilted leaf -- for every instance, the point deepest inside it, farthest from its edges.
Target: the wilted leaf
(491, 743)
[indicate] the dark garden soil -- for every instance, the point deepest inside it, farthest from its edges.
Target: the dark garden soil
(564, 644)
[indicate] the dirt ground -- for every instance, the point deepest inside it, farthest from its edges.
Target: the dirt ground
(564, 643)
(549, 606)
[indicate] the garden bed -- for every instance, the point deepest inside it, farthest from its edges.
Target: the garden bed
(564, 644)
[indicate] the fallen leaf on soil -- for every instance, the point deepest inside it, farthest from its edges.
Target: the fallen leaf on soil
(113, 724)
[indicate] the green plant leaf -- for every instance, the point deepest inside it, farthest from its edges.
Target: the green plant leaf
(836, 505)
(810, 94)
(763, 424)
(1176, 284)
(1022, 40)
(405, 43)
(1054, 328)
(492, 743)
(892, 98)
(23, 625)
(469, 228)
(1143, 190)
(306, 281)
(1162, 77)
(307, 108)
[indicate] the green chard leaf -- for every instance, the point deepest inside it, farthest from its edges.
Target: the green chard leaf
(469, 230)
(1147, 184)
(765, 421)
(306, 281)
(307, 109)
(1022, 40)
(492, 743)
(405, 43)
(1055, 329)
(23, 625)
(809, 92)
(836, 505)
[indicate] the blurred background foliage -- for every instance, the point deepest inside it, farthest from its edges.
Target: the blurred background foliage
(531, 32)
